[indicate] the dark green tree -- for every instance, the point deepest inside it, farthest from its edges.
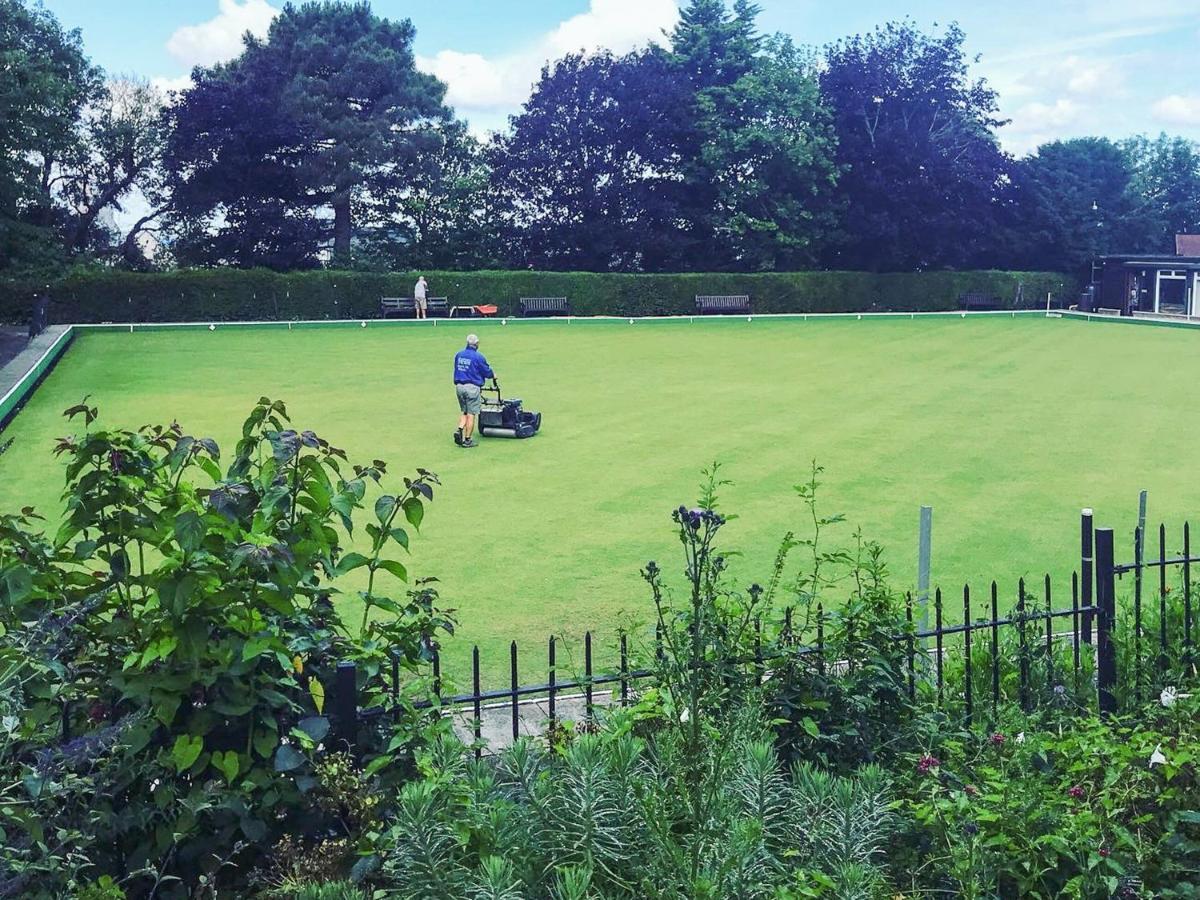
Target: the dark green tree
(756, 147)
(437, 213)
(923, 175)
(46, 81)
(116, 154)
(1165, 188)
(1074, 204)
(586, 173)
(312, 120)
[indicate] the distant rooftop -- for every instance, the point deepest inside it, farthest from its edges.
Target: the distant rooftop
(1187, 245)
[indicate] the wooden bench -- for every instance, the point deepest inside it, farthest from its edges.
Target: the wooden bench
(709, 305)
(397, 307)
(544, 306)
(977, 300)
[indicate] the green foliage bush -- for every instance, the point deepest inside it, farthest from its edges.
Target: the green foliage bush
(259, 294)
(1086, 808)
(180, 625)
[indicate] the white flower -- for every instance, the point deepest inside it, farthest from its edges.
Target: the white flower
(685, 716)
(1021, 738)
(1157, 758)
(1169, 695)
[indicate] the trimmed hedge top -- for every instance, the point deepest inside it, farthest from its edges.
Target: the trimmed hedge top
(259, 294)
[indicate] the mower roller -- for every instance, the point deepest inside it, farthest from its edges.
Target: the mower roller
(500, 417)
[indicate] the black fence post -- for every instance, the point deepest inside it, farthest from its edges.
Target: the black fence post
(345, 703)
(552, 679)
(995, 654)
(1085, 572)
(624, 669)
(478, 702)
(1106, 601)
(1187, 595)
(1162, 601)
(1049, 635)
(1139, 540)
(967, 652)
(1022, 649)
(589, 711)
(514, 706)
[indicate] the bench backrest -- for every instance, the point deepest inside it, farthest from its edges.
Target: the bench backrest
(544, 304)
(722, 301)
(544, 301)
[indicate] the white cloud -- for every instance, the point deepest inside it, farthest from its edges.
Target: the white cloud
(618, 25)
(1059, 114)
(1037, 122)
(220, 38)
(480, 84)
(1092, 77)
(167, 85)
(1178, 109)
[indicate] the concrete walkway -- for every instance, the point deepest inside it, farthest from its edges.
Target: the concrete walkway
(533, 718)
(18, 354)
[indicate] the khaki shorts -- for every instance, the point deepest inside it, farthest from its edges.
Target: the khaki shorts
(468, 398)
(421, 302)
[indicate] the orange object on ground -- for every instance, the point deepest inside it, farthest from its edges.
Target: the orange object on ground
(487, 309)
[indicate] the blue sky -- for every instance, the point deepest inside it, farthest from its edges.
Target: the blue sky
(1063, 67)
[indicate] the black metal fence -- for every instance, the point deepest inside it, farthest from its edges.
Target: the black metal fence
(1087, 646)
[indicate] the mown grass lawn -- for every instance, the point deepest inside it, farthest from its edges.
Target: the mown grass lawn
(1005, 426)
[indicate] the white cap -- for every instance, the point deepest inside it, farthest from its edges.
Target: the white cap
(472, 340)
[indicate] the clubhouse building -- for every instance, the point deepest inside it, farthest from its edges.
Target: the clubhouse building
(1148, 284)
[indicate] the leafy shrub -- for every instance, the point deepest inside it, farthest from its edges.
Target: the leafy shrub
(94, 295)
(181, 626)
(604, 818)
(683, 795)
(1095, 810)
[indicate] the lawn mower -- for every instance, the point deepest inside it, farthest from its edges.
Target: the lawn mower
(500, 417)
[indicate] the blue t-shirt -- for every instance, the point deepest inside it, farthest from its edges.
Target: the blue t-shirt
(471, 368)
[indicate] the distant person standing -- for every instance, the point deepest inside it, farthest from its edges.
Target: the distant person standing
(420, 297)
(470, 372)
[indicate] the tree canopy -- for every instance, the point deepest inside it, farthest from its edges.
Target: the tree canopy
(308, 121)
(719, 148)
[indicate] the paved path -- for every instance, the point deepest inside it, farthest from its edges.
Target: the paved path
(533, 718)
(18, 354)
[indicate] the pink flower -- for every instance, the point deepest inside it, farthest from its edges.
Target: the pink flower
(997, 739)
(927, 764)
(1076, 792)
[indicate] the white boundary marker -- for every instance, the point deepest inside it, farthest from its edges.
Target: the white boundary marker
(1173, 322)
(475, 322)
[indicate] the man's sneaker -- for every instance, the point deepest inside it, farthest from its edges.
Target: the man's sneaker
(469, 442)
(458, 436)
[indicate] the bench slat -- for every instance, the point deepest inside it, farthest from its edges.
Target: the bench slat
(723, 303)
(545, 306)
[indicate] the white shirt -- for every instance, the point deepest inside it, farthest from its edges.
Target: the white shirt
(419, 290)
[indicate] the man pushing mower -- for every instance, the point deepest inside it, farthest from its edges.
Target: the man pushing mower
(471, 369)
(497, 417)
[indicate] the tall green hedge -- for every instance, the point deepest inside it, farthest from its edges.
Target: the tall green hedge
(232, 294)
